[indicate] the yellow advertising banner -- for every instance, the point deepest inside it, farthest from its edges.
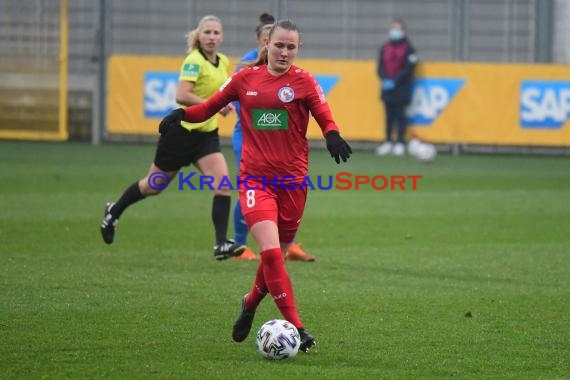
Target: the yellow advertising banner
(495, 104)
(492, 104)
(141, 90)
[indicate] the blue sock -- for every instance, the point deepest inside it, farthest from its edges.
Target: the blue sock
(240, 228)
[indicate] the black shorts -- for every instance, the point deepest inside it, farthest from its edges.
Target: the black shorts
(180, 147)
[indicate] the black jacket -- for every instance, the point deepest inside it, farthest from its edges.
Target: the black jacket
(397, 61)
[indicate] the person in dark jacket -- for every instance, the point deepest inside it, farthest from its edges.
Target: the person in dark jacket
(396, 63)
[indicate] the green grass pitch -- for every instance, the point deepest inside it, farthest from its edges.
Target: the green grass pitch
(466, 277)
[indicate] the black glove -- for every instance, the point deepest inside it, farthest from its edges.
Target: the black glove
(173, 118)
(337, 147)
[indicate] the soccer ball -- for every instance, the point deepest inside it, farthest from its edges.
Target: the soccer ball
(426, 152)
(278, 339)
(413, 147)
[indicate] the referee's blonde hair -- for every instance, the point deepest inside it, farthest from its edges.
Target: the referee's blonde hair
(192, 37)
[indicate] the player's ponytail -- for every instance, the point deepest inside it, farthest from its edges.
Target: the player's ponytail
(266, 21)
(261, 58)
(192, 39)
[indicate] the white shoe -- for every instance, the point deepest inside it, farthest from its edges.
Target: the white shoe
(384, 148)
(399, 149)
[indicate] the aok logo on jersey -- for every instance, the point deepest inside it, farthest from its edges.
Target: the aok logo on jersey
(159, 93)
(544, 104)
(270, 120)
(430, 97)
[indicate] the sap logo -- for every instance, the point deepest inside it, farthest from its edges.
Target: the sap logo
(430, 97)
(327, 82)
(544, 104)
(159, 93)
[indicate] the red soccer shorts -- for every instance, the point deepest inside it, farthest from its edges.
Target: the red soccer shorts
(282, 206)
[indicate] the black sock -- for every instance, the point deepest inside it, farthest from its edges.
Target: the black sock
(220, 216)
(130, 196)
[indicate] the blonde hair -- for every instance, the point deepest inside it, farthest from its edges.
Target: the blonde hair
(192, 37)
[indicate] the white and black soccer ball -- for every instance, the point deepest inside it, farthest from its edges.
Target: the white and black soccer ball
(425, 152)
(278, 339)
(413, 147)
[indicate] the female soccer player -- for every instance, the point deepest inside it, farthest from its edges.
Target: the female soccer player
(202, 73)
(276, 99)
(294, 251)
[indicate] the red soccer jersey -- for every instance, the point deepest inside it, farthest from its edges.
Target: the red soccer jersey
(274, 114)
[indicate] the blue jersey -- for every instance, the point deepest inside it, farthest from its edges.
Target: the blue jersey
(250, 56)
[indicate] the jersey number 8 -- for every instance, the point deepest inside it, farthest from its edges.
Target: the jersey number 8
(250, 194)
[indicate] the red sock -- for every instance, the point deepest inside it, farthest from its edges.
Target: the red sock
(279, 285)
(259, 290)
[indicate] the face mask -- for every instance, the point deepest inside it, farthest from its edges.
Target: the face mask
(396, 34)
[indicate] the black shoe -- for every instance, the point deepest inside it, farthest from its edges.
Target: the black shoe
(228, 249)
(243, 323)
(307, 340)
(109, 224)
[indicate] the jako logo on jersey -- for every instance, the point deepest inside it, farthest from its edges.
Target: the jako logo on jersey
(286, 94)
(159, 93)
(544, 104)
(251, 93)
(430, 97)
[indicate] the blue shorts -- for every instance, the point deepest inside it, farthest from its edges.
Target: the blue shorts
(237, 140)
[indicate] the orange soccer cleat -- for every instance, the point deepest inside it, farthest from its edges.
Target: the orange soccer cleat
(247, 255)
(295, 253)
